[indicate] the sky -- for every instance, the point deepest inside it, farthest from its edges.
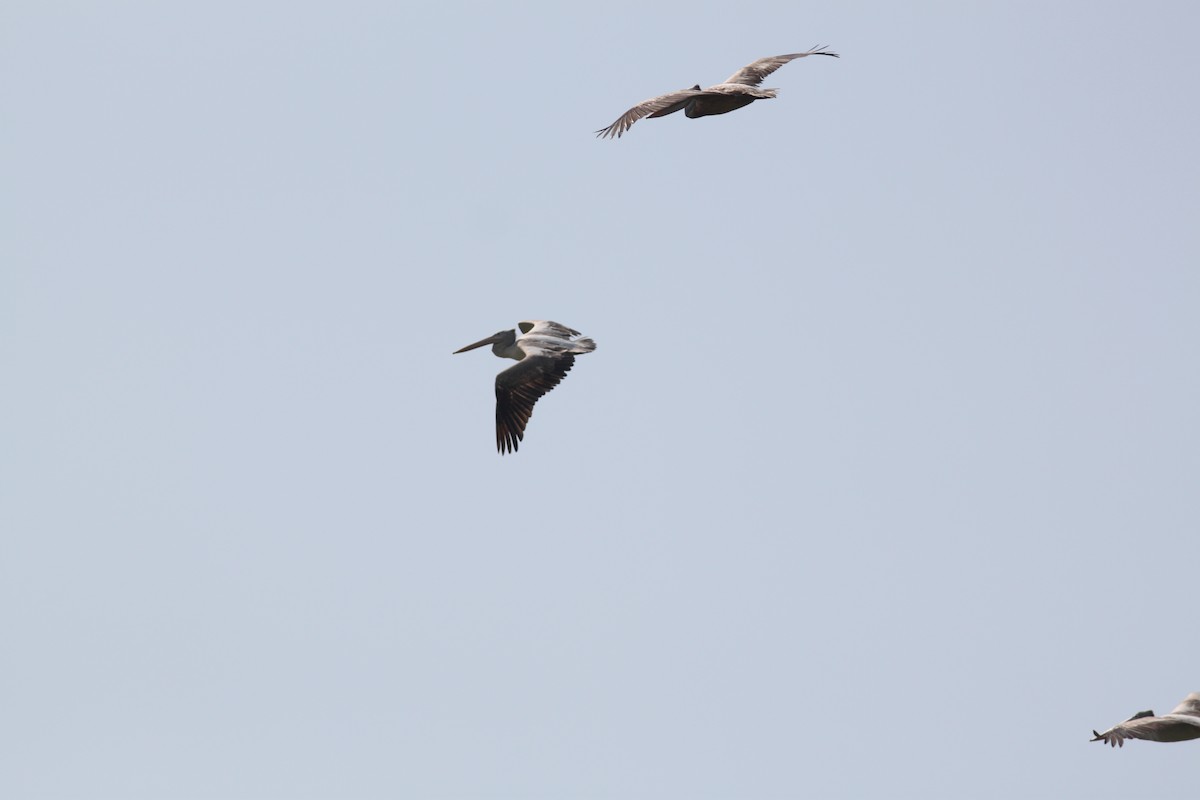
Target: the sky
(881, 482)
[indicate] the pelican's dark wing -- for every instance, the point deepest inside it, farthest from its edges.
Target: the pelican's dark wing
(518, 388)
(1182, 724)
(753, 74)
(1117, 734)
(654, 107)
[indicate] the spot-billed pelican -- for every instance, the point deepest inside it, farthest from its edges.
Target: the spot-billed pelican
(739, 89)
(546, 352)
(1181, 724)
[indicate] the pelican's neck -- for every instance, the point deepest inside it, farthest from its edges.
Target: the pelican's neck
(508, 349)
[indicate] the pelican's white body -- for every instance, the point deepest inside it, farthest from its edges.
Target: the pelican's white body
(542, 337)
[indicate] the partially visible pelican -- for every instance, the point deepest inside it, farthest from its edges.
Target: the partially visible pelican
(1181, 724)
(546, 352)
(739, 89)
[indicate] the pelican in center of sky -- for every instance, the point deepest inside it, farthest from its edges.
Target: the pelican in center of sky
(545, 352)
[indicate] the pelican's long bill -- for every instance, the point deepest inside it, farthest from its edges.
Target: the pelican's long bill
(489, 340)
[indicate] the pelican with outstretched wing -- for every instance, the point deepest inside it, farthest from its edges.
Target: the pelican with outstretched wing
(545, 352)
(1181, 724)
(739, 89)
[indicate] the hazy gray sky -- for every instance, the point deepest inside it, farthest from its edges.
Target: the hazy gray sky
(882, 481)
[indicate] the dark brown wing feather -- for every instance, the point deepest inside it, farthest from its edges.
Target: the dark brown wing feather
(1156, 729)
(754, 74)
(1180, 725)
(518, 388)
(654, 107)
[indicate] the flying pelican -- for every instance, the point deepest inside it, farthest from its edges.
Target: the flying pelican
(546, 352)
(1181, 724)
(739, 89)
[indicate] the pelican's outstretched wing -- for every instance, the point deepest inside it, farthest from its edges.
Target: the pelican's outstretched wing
(518, 388)
(1129, 729)
(753, 74)
(654, 107)
(1182, 724)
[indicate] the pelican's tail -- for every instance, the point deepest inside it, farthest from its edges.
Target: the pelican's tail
(583, 345)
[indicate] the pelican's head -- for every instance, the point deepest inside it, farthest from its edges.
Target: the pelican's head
(498, 341)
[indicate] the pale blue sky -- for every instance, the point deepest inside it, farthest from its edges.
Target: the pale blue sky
(882, 481)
